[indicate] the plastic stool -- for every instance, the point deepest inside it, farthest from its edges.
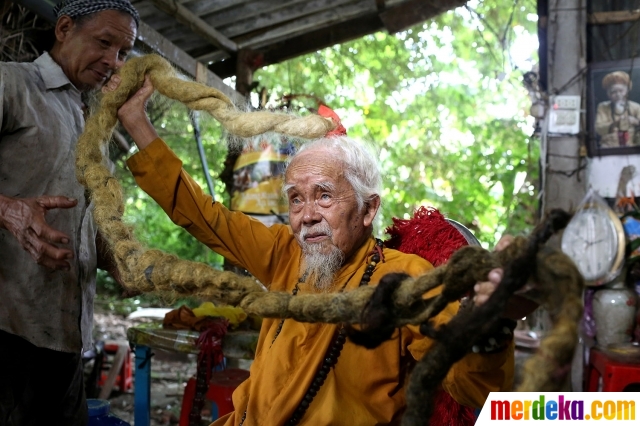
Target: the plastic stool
(221, 388)
(616, 375)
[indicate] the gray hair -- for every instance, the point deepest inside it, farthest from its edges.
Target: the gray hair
(362, 169)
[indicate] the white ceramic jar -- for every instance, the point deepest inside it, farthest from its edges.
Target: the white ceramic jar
(614, 311)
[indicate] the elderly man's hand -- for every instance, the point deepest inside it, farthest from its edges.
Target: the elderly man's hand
(132, 114)
(25, 219)
(517, 306)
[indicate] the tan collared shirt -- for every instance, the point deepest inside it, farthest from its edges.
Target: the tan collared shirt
(41, 120)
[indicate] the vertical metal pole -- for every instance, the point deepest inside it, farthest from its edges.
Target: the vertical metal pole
(195, 122)
(142, 392)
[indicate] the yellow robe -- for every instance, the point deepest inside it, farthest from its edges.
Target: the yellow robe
(366, 387)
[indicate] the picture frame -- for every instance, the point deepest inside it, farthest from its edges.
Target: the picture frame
(613, 116)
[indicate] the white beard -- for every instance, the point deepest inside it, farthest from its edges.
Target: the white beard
(619, 107)
(318, 268)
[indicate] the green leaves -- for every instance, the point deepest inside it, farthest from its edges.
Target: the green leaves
(444, 106)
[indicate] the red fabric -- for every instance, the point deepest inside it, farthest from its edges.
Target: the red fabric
(210, 345)
(426, 234)
(431, 237)
(448, 412)
(325, 111)
(212, 330)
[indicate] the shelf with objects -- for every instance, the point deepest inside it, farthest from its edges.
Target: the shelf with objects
(603, 240)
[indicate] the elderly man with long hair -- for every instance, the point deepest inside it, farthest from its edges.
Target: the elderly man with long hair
(309, 373)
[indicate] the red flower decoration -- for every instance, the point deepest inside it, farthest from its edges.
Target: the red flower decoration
(325, 111)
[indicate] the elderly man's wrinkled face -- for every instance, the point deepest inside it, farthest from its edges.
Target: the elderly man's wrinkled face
(90, 51)
(618, 92)
(323, 209)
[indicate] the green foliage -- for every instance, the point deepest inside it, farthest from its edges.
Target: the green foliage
(444, 106)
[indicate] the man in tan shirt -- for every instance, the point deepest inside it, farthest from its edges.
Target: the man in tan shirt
(48, 252)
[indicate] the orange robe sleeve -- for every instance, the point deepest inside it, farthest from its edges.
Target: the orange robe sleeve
(159, 173)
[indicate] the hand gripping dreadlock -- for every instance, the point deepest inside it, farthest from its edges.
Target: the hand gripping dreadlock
(395, 302)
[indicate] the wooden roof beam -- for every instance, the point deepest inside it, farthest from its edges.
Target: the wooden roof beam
(339, 32)
(308, 23)
(309, 42)
(286, 16)
(197, 25)
(205, 7)
(412, 12)
(615, 17)
(153, 40)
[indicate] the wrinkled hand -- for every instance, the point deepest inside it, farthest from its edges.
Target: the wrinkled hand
(517, 306)
(25, 219)
(132, 114)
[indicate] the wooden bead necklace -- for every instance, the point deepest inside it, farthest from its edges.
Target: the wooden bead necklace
(335, 348)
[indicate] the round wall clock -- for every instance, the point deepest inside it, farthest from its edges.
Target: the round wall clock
(594, 239)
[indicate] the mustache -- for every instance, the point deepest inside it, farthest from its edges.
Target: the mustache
(318, 228)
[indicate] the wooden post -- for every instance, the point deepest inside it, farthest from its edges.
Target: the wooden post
(244, 79)
(244, 71)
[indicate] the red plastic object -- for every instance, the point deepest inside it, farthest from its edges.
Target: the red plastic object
(221, 387)
(187, 401)
(124, 380)
(616, 376)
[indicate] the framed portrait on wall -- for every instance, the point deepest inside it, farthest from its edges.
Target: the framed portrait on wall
(614, 108)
